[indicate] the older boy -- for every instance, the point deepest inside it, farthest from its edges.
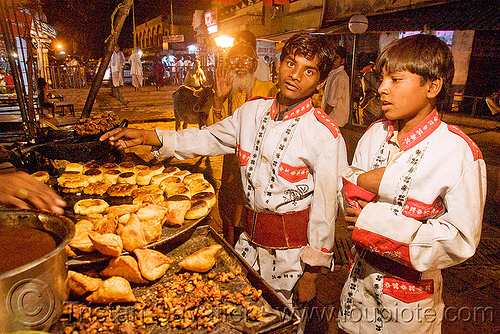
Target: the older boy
(290, 155)
(426, 181)
(235, 84)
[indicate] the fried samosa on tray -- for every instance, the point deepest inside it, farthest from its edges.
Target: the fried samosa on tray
(201, 261)
(124, 266)
(152, 264)
(113, 290)
(80, 284)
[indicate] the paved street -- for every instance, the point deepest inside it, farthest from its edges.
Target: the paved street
(471, 290)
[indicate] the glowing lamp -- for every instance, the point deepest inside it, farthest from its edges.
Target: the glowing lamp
(358, 24)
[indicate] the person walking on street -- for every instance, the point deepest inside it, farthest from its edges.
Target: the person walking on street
(116, 63)
(158, 71)
(136, 69)
(195, 77)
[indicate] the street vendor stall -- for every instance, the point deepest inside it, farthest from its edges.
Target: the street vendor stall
(130, 215)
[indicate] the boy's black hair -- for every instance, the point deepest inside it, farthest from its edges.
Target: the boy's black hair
(309, 45)
(424, 55)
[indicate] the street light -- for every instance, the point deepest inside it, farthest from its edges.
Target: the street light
(224, 41)
(358, 24)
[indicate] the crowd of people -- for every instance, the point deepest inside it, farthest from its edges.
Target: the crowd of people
(413, 195)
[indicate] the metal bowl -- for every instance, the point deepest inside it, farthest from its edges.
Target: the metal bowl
(32, 295)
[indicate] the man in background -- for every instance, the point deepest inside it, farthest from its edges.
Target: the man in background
(336, 97)
(263, 71)
(136, 69)
(116, 64)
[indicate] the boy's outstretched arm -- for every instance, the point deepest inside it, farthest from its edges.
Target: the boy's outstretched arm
(123, 138)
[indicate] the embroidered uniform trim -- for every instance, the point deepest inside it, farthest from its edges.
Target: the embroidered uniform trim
(403, 186)
(252, 161)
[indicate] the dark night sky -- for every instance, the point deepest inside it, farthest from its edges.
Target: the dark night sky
(84, 25)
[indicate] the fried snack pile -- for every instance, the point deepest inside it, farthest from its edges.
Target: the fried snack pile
(185, 195)
(184, 301)
(97, 123)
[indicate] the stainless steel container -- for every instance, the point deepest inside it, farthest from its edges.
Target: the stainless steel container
(32, 295)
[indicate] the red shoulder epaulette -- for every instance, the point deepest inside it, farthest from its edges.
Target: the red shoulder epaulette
(327, 121)
(476, 152)
(377, 121)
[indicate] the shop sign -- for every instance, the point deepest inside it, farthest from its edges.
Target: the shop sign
(211, 21)
(173, 39)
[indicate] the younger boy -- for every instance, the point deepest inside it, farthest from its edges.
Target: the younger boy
(290, 156)
(426, 181)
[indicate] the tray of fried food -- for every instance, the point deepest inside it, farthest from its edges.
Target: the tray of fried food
(96, 124)
(195, 285)
(140, 205)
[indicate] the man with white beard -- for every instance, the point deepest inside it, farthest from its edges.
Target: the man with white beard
(234, 85)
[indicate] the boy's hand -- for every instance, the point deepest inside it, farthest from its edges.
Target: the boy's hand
(352, 214)
(122, 138)
(305, 290)
(371, 180)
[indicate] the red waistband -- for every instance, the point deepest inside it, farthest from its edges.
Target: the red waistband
(389, 266)
(277, 230)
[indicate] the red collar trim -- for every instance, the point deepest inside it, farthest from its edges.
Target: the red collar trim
(299, 110)
(421, 131)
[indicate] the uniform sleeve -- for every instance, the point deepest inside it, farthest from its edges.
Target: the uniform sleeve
(216, 139)
(436, 243)
(324, 205)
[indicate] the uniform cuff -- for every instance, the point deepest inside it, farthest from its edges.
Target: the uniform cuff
(166, 149)
(315, 257)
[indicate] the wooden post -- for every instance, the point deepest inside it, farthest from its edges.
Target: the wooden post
(5, 25)
(121, 14)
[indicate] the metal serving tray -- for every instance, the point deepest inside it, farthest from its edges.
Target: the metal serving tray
(277, 316)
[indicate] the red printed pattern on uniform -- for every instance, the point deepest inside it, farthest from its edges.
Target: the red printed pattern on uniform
(378, 244)
(243, 156)
(476, 152)
(420, 210)
(293, 174)
(324, 119)
(406, 291)
(421, 131)
(353, 193)
(297, 111)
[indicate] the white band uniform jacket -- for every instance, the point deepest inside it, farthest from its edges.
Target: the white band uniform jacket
(286, 165)
(427, 217)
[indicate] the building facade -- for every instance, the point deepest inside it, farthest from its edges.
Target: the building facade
(470, 27)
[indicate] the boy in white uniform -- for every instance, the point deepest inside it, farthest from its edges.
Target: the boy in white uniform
(417, 188)
(291, 156)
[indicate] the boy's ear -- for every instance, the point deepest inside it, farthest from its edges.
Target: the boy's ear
(435, 87)
(321, 85)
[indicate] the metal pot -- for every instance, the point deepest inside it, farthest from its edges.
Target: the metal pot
(32, 295)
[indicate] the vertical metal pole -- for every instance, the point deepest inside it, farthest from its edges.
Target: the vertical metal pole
(10, 46)
(133, 24)
(171, 19)
(352, 117)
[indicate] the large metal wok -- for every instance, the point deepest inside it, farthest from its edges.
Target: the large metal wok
(63, 145)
